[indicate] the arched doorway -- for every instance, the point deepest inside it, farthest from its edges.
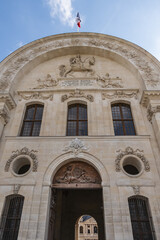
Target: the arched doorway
(86, 228)
(76, 190)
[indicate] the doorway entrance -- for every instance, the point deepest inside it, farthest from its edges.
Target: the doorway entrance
(76, 191)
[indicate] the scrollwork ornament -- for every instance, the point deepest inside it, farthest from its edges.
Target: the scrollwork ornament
(136, 190)
(16, 188)
(23, 151)
(129, 151)
(151, 111)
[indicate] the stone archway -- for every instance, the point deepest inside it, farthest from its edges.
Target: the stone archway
(76, 190)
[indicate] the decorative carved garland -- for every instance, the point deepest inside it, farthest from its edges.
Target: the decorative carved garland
(23, 151)
(77, 94)
(129, 151)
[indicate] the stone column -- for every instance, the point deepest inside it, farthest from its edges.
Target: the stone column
(108, 217)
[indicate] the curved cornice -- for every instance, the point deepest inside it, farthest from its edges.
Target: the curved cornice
(46, 48)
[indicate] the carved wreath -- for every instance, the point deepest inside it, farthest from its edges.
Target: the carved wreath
(23, 151)
(130, 151)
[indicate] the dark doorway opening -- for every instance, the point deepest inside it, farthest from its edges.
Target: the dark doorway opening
(69, 205)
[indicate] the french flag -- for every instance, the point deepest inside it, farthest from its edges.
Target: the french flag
(78, 20)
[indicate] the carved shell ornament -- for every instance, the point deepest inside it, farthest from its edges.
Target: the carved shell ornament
(76, 146)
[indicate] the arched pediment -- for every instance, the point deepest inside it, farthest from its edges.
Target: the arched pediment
(134, 58)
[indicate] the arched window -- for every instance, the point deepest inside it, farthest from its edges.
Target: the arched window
(95, 229)
(11, 217)
(81, 229)
(122, 119)
(77, 120)
(142, 226)
(32, 120)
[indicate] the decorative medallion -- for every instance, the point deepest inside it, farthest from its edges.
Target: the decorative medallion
(77, 172)
(77, 94)
(130, 151)
(76, 147)
(23, 151)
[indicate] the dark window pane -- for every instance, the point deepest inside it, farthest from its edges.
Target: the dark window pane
(126, 112)
(26, 129)
(72, 113)
(116, 112)
(122, 119)
(82, 113)
(118, 128)
(30, 113)
(39, 112)
(71, 128)
(82, 128)
(36, 128)
(32, 122)
(129, 128)
(11, 217)
(77, 120)
(141, 224)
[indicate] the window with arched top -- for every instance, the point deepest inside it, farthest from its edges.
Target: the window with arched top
(77, 120)
(95, 229)
(11, 217)
(81, 229)
(122, 119)
(142, 226)
(32, 120)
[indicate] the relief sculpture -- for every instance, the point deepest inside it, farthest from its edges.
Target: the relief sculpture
(77, 172)
(78, 65)
(48, 82)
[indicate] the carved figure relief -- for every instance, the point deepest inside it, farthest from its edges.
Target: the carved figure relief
(78, 65)
(35, 95)
(23, 151)
(77, 172)
(109, 82)
(77, 94)
(130, 151)
(48, 82)
(120, 94)
(76, 147)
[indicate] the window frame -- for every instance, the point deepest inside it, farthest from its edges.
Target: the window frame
(138, 220)
(122, 119)
(77, 119)
(36, 105)
(6, 217)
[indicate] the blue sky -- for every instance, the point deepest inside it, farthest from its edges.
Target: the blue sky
(23, 21)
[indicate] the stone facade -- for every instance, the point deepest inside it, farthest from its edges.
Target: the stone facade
(96, 70)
